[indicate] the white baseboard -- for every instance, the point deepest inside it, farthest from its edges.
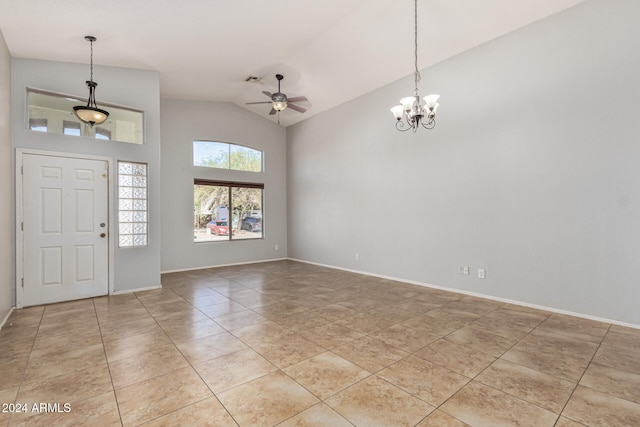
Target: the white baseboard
(224, 265)
(475, 294)
(6, 317)
(129, 291)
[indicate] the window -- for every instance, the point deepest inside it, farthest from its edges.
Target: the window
(225, 211)
(223, 155)
(132, 204)
(70, 128)
(39, 125)
(102, 133)
(53, 113)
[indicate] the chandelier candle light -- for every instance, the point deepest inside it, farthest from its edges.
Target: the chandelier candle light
(414, 110)
(91, 113)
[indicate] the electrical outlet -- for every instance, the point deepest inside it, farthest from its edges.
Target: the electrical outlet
(465, 270)
(276, 247)
(357, 256)
(481, 273)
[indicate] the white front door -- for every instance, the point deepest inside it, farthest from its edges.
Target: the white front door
(65, 230)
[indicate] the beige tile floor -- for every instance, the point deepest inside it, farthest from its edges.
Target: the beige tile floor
(290, 344)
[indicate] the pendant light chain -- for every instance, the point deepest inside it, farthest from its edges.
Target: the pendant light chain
(91, 41)
(90, 113)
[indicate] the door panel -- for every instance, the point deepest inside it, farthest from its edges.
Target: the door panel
(51, 266)
(51, 202)
(65, 212)
(84, 214)
(84, 264)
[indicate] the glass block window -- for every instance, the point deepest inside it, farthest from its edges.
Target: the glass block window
(132, 204)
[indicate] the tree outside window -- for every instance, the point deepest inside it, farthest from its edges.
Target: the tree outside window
(222, 155)
(226, 211)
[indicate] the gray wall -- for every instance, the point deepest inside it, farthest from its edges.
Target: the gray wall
(135, 268)
(7, 284)
(186, 121)
(531, 173)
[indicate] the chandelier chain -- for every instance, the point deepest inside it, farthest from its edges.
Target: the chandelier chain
(413, 112)
(416, 73)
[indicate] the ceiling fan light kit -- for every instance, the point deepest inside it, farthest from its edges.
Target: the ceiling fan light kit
(414, 112)
(280, 101)
(279, 105)
(90, 113)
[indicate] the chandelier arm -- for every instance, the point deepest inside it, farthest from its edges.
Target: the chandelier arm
(400, 125)
(430, 124)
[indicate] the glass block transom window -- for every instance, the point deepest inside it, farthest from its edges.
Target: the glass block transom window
(132, 204)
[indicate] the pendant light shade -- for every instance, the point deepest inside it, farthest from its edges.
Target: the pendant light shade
(90, 113)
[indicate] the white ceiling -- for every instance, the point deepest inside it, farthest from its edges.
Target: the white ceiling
(330, 51)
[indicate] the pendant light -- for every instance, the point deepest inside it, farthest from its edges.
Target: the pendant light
(415, 111)
(91, 113)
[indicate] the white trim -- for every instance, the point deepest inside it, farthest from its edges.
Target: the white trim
(6, 317)
(223, 265)
(129, 291)
(19, 216)
(20, 152)
(475, 294)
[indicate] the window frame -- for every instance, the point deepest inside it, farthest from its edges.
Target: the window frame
(103, 134)
(229, 150)
(230, 185)
(36, 125)
(71, 125)
(126, 124)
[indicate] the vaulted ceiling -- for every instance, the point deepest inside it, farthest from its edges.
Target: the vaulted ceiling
(330, 51)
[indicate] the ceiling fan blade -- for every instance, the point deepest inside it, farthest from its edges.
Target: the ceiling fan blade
(272, 112)
(261, 102)
(298, 99)
(296, 108)
(267, 93)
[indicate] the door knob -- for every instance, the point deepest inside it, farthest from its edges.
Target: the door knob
(103, 235)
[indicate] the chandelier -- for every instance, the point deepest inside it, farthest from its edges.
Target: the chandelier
(414, 112)
(90, 113)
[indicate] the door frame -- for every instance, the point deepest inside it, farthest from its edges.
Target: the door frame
(19, 254)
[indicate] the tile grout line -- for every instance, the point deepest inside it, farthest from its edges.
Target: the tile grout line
(26, 365)
(471, 379)
(213, 394)
(309, 294)
(113, 387)
(583, 374)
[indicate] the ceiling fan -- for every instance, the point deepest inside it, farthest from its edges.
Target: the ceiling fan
(279, 100)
